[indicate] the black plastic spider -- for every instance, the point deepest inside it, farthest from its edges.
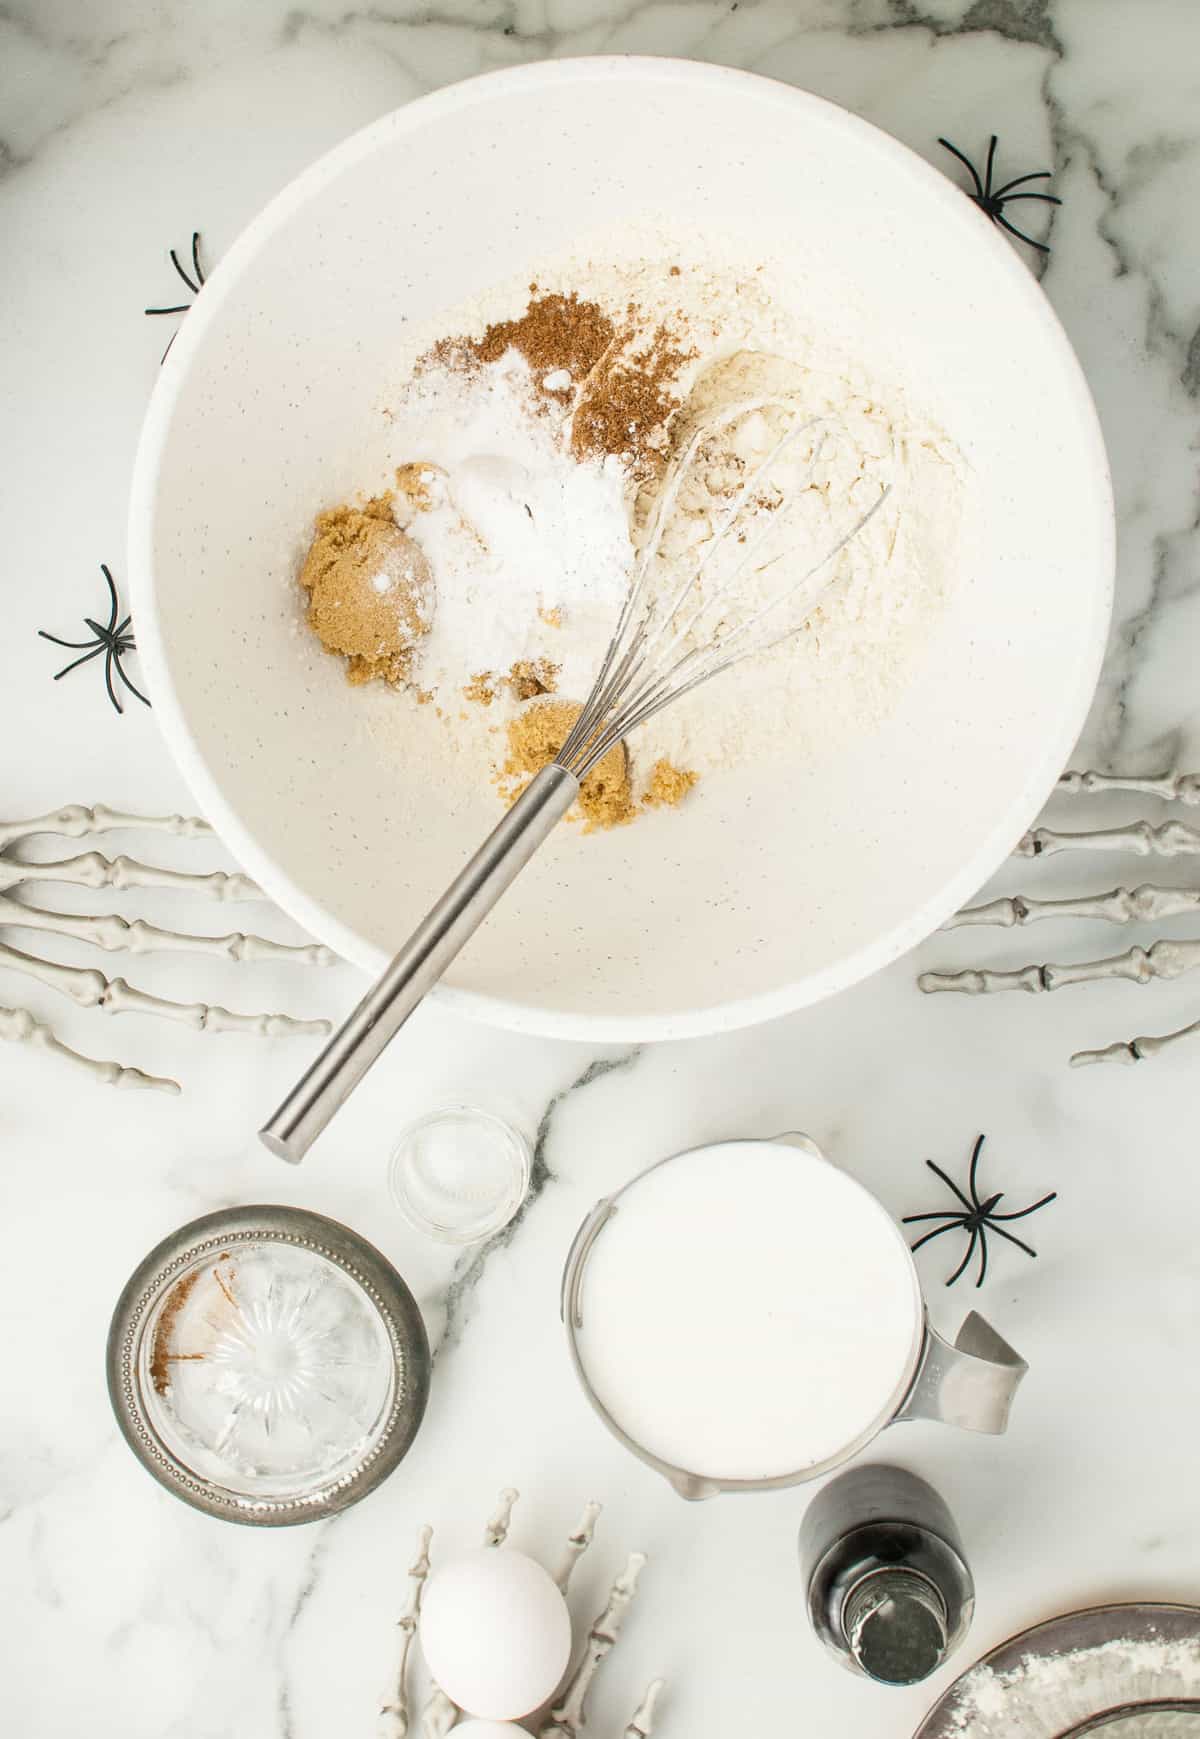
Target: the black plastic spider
(978, 1217)
(992, 200)
(113, 639)
(194, 285)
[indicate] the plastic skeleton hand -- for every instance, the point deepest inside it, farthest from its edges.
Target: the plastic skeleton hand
(567, 1715)
(89, 987)
(1147, 903)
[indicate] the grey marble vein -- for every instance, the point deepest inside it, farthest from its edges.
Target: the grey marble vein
(305, 1591)
(470, 1268)
(1016, 20)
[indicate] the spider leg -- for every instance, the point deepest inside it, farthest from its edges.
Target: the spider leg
(1020, 180)
(194, 288)
(971, 1174)
(1047, 198)
(170, 342)
(87, 657)
(912, 1219)
(1001, 1233)
(961, 1269)
(983, 1255)
(951, 1185)
(182, 308)
(112, 595)
(108, 682)
(937, 1231)
(967, 165)
(1020, 234)
(71, 645)
(196, 254)
(991, 161)
(129, 683)
(1032, 1209)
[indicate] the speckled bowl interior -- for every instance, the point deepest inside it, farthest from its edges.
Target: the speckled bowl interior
(774, 885)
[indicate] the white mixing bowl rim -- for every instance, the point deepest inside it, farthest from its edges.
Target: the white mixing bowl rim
(1042, 772)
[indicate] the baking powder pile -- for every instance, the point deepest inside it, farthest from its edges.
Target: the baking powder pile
(528, 435)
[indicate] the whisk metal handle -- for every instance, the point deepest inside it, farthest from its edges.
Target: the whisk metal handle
(437, 939)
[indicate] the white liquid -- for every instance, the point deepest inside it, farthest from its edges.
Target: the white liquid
(748, 1312)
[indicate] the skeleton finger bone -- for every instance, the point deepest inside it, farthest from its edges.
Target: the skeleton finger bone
(1141, 905)
(642, 1724)
(568, 1715)
(18, 1026)
(1137, 1050)
(94, 870)
(1166, 960)
(577, 1544)
(1172, 839)
(393, 1716)
(90, 989)
(1171, 787)
(116, 934)
(77, 820)
(496, 1531)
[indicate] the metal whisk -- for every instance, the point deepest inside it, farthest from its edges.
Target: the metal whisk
(680, 625)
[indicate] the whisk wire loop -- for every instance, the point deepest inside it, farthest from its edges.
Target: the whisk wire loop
(654, 655)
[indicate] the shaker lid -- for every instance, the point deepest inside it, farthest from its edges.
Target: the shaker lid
(895, 1625)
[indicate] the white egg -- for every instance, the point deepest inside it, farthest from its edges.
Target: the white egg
(495, 1633)
(489, 1730)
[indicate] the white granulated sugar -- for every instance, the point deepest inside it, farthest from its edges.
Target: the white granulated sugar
(531, 550)
(1049, 1694)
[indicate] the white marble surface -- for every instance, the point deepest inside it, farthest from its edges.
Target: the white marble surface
(126, 124)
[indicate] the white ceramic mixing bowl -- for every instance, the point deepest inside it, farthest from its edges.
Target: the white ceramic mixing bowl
(771, 887)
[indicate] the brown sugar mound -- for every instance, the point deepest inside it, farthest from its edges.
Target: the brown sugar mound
(535, 737)
(414, 481)
(525, 679)
(370, 591)
(530, 677)
(667, 785)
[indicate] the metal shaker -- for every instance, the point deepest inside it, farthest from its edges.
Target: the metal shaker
(889, 1590)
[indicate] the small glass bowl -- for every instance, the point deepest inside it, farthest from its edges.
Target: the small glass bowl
(460, 1174)
(267, 1365)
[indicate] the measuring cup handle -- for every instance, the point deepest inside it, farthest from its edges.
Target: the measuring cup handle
(970, 1384)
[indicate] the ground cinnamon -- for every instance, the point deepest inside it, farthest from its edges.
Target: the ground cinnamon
(624, 408)
(554, 332)
(624, 384)
(161, 1356)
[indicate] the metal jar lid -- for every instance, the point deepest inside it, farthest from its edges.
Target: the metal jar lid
(267, 1365)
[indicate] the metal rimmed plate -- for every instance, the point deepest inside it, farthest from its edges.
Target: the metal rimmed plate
(267, 1365)
(1121, 1672)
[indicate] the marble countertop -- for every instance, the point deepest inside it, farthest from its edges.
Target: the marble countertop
(126, 125)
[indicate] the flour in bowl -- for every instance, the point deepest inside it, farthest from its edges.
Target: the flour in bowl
(528, 434)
